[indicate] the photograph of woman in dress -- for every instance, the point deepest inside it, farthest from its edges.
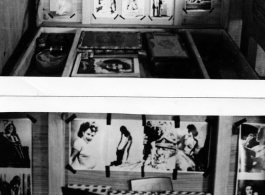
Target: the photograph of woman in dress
(83, 156)
(12, 152)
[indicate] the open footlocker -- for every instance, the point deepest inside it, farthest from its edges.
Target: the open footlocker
(184, 39)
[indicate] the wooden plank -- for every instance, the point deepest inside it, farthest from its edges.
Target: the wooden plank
(222, 155)
(235, 21)
(225, 14)
(56, 153)
(257, 30)
(86, 16)
(23, 63)
(252, 52)
(260, 62)
(14, 22)
(178, 12)
(243, 69)
(39, 17)
(72, 55)
(247, 15)
(197, 56)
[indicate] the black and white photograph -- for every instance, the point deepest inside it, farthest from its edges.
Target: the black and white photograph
(250, 187)
(106, 65)
(88, 144)
(15, 143)
(161, 8)
(133, 8)
(15, 183)
(105, 8)
(61, 7)
(167, 147)
(125, 145)
(198, 5)
(252, 148)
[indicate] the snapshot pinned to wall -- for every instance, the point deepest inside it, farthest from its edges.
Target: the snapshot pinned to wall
(161, 8)
(198, 5)
(252, 149)
(61, 7)
(105, 8)
(15, 143)
(167, 147)
(250, 187)
(106, 66)
(88, 144)
(15, 183)
(133, 8)
(125, 145)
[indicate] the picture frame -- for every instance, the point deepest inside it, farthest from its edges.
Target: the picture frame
(106, 66)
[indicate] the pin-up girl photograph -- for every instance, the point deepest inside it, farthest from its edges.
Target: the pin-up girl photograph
(125, 145)
(105, 8)
(161, 8)
(61, 7)
(123, 148)
(83, 154)
(167, 147)
(252, 148)
(251, 187)
(12, 151)
(15, 183)
(133, 8)
(132, 5)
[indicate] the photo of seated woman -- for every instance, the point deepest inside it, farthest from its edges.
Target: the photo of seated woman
(14, 144)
